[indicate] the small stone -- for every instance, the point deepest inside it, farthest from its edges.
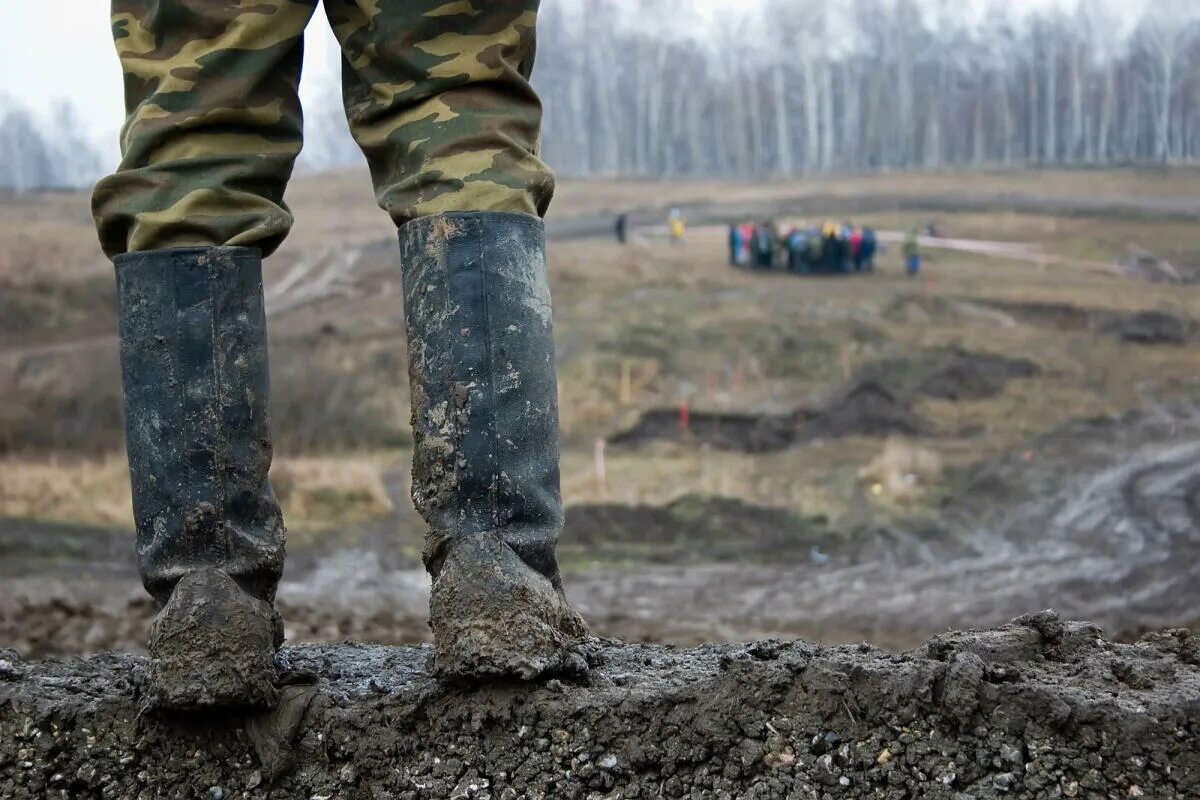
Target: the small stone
(216, 793)
(1071, 789)
(1136, 791)
(607, 761)
(823, 742)
(1004, 781)
(884, 757)
(255, 779)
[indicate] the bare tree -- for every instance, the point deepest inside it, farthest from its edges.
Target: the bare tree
(782, 87)
(1167, 33)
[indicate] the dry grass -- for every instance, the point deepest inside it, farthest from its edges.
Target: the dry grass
(332, 491)
(67, 490)
(315, 493)
(1084, 238)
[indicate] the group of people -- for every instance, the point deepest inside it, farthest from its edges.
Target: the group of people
(830, 249)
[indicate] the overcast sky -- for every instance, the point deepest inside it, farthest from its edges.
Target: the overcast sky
(79, 62)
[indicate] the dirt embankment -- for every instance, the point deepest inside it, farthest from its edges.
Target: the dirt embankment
(1035, 709)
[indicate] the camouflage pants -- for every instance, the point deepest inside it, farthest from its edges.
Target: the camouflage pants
(436, 92)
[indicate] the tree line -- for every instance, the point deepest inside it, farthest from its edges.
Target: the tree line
(51, 153)
(802, 86)
(793, 87)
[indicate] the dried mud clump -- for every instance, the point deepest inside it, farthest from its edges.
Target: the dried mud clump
(1038, 708)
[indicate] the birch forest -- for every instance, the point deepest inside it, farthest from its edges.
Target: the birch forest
(654, 88)
(802, 86)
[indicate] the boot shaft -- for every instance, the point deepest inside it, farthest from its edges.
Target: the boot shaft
(485, 409)
(197, 389)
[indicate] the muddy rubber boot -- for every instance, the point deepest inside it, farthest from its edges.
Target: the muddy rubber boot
(210, 537)
(485, 465)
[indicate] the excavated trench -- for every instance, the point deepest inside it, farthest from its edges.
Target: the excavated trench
(867, 408)
(1038, 708)
(1140, 327)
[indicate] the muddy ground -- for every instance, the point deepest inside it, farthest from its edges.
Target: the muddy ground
(1097, 520)
(1040, 708)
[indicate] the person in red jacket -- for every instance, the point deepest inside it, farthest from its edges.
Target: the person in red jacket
(856, 249)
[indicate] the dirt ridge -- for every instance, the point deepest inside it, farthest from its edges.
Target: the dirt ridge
(1037, 708)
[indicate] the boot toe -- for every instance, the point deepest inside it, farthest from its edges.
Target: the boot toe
(213, 646)
(494, 616)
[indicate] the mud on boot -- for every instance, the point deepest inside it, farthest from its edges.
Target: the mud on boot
(495, 616)
(213, 646)
(485, 461)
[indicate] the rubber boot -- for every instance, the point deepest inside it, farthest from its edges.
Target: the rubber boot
(485, 466)
(210, 537)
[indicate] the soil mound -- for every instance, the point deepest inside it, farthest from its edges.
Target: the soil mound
(690, 529)
(1038, 708)
(1150, 327)
(976, 376)
(867, 409)
(1140, 327)
(747, 433)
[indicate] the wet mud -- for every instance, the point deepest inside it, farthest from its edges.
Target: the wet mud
(692, 529)
(747, 433)
(1141, 327)
(1151, 327)
(1037, 708)
(952, 374)
(868, 408)
(976, 376)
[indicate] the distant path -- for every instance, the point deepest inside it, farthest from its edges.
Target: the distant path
(707, 213)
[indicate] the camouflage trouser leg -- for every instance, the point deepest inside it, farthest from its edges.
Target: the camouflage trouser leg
(214, 123)
(438, 97)
(437, 94)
